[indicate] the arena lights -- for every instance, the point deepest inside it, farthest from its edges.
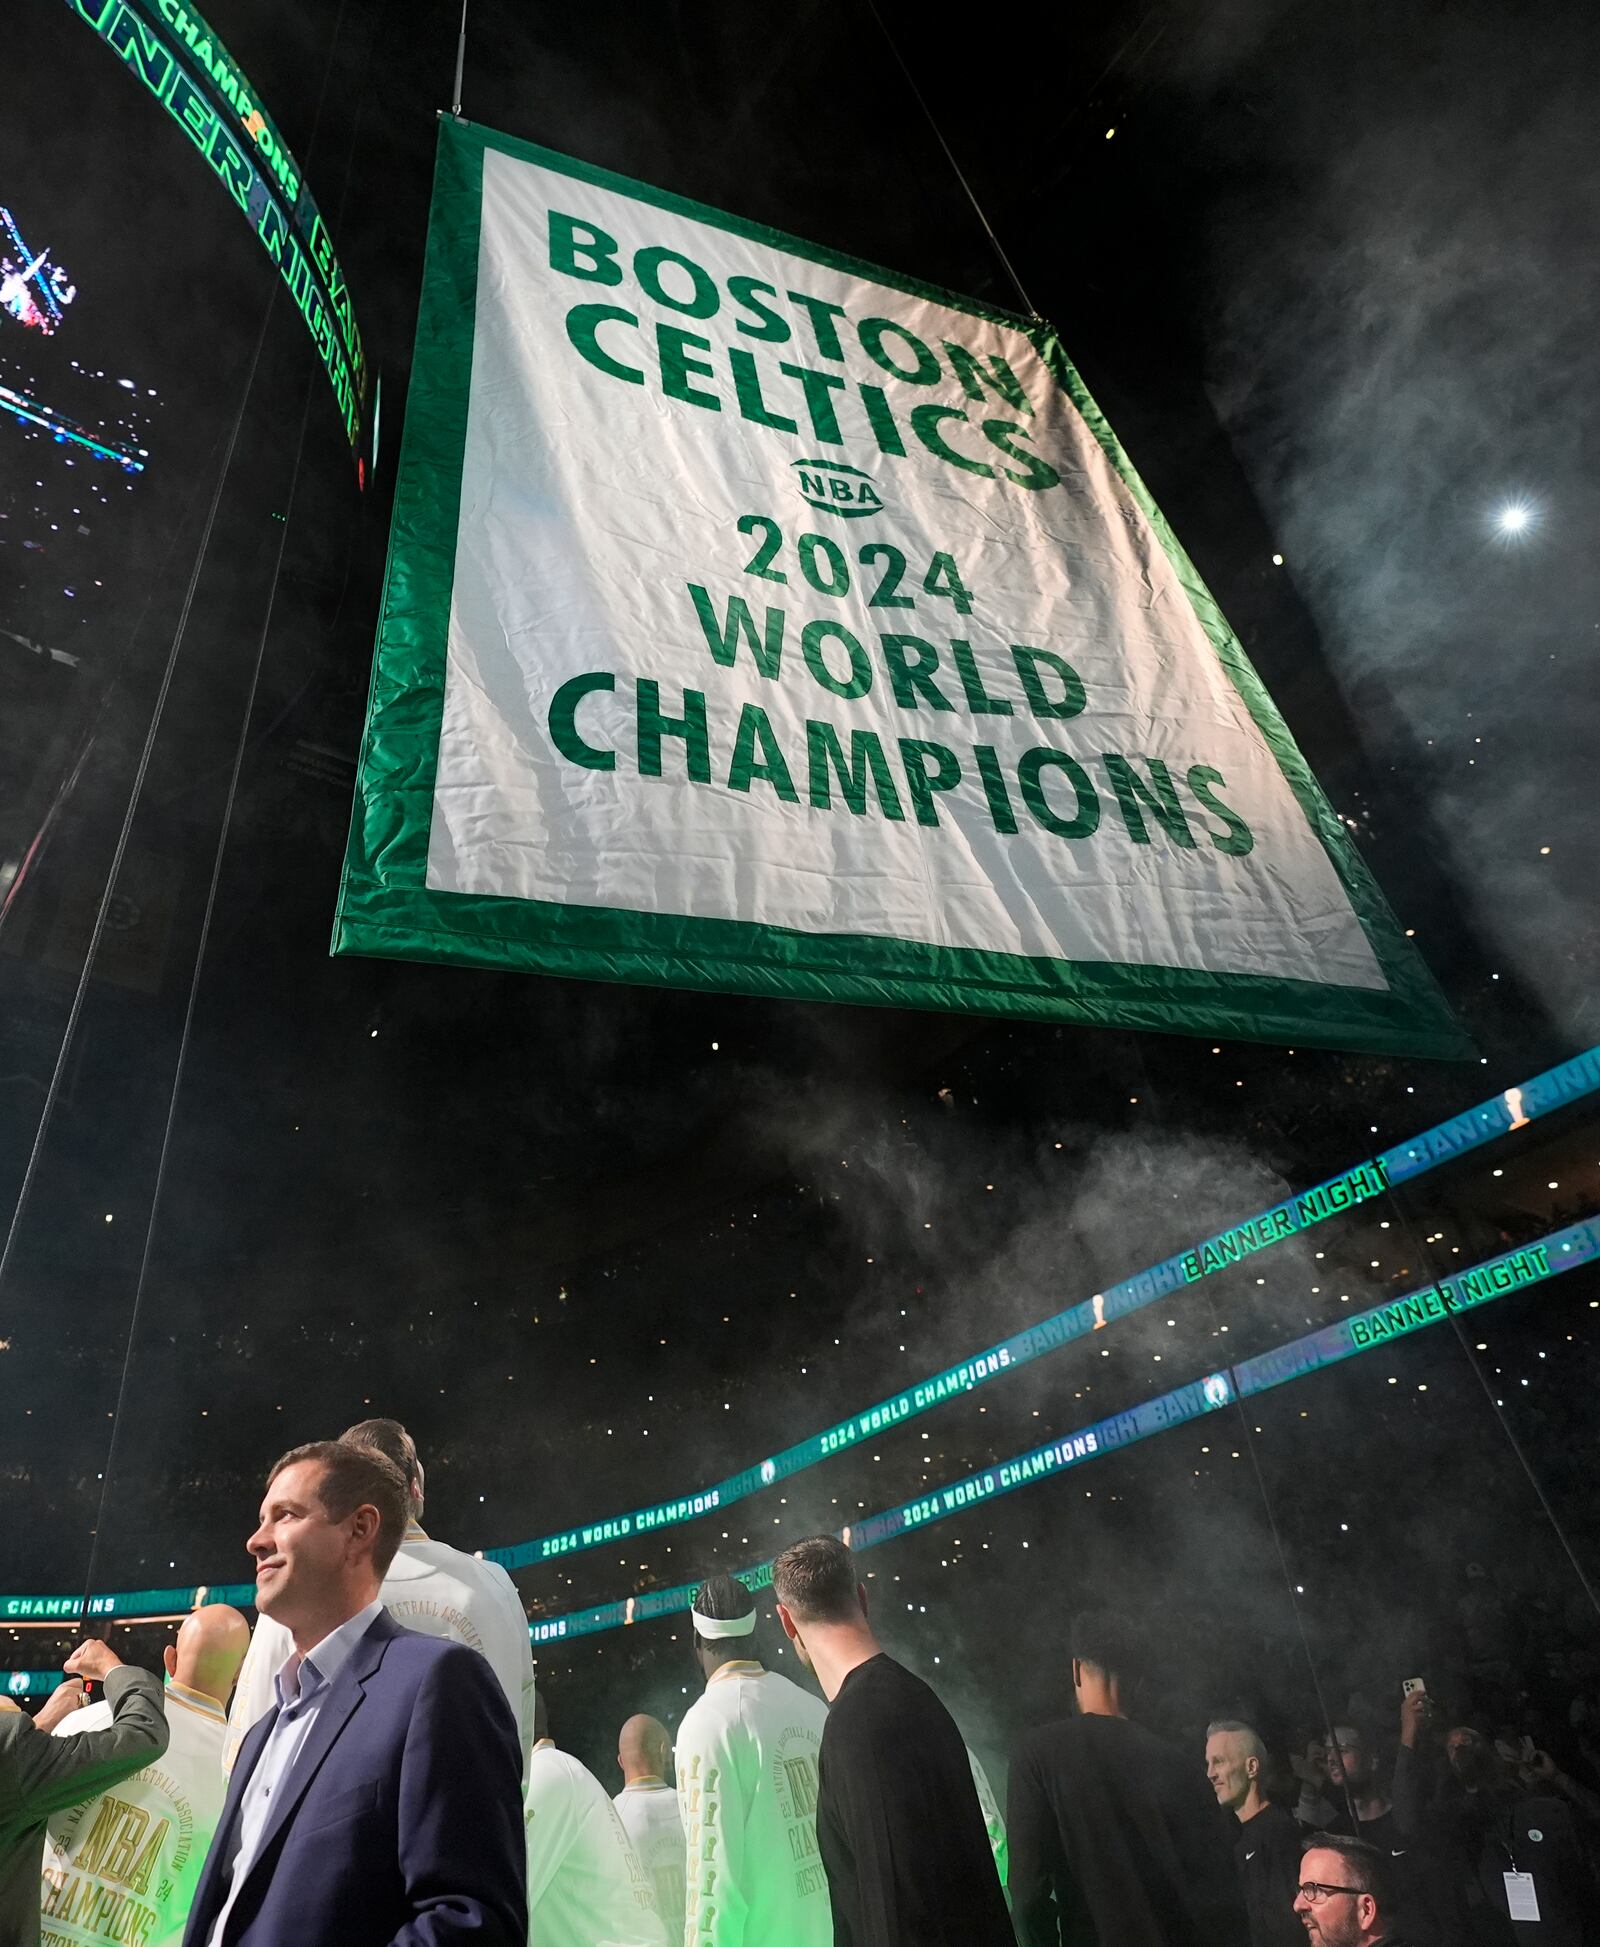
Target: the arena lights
(1510, 1110)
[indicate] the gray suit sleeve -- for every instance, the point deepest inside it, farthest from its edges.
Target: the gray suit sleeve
(55, 1772)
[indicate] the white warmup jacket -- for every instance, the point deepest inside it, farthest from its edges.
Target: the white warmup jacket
(586, 1887)
(747, 1785)
(650, 1817)
(124, 1866)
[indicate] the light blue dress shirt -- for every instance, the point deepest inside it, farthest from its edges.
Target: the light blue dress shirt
(302, 1687)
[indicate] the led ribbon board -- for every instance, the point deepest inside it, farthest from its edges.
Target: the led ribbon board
(127, 1606)
(1563, 1250)
(176, 56)
(1406, 1160)
(1500, 1115)
(1330, 1345)
(762, 621)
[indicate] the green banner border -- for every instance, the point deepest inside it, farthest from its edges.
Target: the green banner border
(385, 908)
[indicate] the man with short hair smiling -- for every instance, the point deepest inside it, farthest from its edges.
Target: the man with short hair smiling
(1345, 1897)
(1267, 1850)
(380, 1801)
(430, 1587)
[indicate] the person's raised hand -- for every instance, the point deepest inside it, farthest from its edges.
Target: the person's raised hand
(93, 1659)
(1415, 1713)
(61, 1702)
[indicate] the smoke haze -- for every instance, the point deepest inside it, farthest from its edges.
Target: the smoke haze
(1402, 289)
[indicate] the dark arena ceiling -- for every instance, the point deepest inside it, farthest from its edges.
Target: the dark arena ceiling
(598, 1246)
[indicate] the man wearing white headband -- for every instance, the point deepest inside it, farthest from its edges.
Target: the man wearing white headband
(747, 1786)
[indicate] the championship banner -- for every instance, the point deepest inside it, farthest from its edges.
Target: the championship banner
(763, 621)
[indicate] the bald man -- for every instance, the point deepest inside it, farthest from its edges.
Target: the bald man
(648, 1808)
(124, 1865)
(430, 1587)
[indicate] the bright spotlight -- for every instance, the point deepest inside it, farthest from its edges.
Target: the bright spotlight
(1514, 519)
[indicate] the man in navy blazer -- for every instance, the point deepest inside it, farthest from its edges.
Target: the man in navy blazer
(380, 1803)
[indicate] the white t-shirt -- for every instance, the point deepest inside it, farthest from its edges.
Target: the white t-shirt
(586, 1887)
(430, 1587)
(124, 1866)
(747, 1787)
(650, 1817)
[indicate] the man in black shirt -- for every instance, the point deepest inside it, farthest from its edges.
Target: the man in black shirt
(1352, 1769)
(1267, 1850)
(1116, 1841)
(899, 1827)
(1429, 1908)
